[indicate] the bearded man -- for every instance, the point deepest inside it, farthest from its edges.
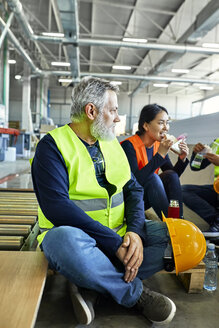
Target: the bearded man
(91, 216)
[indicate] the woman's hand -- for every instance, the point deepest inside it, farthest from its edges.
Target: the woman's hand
(164, 147)
(184, 150)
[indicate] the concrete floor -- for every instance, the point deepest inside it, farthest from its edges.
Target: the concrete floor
(193, 310)
(15, 174)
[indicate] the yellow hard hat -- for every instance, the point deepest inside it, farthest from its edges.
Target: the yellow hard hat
(216, 185)
(188, 243)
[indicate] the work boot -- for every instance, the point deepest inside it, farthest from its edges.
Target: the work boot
(156, 307)
(83, 301)
(214, 227)
(213, 231)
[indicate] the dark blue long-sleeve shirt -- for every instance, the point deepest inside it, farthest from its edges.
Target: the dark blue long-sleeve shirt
(51, 185)
(154, 162)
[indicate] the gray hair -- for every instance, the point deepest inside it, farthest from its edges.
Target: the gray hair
(89, 90)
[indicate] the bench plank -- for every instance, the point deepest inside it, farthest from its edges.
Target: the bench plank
(22, 280)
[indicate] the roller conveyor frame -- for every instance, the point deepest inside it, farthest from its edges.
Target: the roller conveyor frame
(18, 220)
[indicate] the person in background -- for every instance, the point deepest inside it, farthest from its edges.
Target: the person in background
(147, 152)
(93, 227)
(203, 199)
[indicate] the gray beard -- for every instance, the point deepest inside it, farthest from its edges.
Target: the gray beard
(100, 131)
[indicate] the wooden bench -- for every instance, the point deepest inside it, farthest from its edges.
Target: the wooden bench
(22, 280)
(193, 279)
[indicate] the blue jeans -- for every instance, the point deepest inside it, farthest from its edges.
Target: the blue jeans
(75, 254)
(202, 200)
(160, 189)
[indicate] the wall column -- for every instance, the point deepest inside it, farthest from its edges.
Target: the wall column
(6, 82)
(26, 117)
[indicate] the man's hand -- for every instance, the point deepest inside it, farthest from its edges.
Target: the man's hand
(213, 158)
(198, 147)
(130, 254)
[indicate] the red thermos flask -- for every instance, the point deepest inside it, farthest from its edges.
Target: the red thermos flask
(173, 209)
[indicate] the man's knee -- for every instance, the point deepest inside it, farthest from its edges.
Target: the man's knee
(75, 237)
(63, 232)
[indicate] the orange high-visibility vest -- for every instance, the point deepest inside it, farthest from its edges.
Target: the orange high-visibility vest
(141, 153)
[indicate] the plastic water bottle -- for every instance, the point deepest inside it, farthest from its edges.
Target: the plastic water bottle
(211, 267)
(197, 161)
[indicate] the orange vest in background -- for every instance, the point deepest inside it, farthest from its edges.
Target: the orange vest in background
(141, 153)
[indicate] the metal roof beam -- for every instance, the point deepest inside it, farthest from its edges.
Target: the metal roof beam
(69, 17)
(5, 30)
(180, 48)
(205, 21)
(16, 7)
(132, 77)
(123, 6)
(59, 24)
(21, 50)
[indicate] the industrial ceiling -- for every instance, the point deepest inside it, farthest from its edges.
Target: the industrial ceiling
(171, 35)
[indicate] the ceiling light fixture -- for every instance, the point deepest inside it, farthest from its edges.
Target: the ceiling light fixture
(182, 84)
(60, 64)
(179, 70)
(206, 88)
(53, 34)
(122, 67)
(210, 45)
(17, 77)
(160, 85)
(135, 40)
(11, 61)
(116, 82)
(65, 80)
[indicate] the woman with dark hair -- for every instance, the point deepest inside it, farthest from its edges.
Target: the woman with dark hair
(147, 152)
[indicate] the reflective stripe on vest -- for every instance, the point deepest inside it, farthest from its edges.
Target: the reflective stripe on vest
(98, 203)
(84, 190)
(119, 228)
(141, 153)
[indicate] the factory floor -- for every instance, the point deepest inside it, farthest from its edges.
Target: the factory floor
(193, 310)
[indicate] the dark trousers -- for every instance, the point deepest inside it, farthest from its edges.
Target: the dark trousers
(202, 200)
(160, 189)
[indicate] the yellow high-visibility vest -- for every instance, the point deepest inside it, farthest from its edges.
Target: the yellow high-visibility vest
(84, 189)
